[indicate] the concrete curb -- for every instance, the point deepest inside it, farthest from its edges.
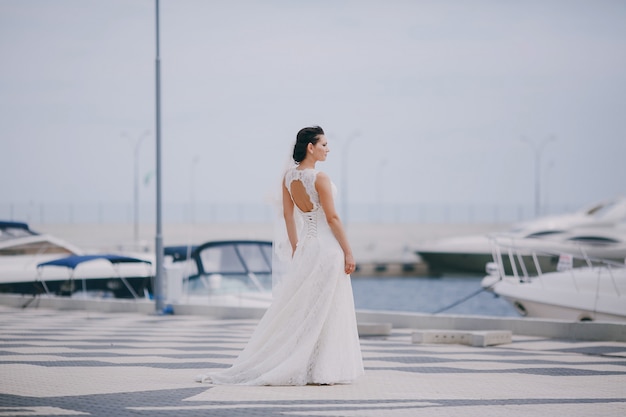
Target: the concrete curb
(556, 329)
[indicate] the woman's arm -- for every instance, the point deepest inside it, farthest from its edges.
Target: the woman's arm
(324, 190)
(290, 222)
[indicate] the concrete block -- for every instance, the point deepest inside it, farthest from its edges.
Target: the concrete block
(463, 337)
(441, 336)
(374, 329)
(491, 337)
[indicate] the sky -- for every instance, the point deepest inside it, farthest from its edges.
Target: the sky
(423, 102)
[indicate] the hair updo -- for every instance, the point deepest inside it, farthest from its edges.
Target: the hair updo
(305, 136)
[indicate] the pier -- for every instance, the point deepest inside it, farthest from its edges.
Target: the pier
(86, 362)
(63, 356)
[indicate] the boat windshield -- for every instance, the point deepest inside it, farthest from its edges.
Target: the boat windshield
(9, 232)
(236, 258)
(219, 284)
(606, 210)
(234, 267)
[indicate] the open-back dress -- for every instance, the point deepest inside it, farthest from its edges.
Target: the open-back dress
(309, 333)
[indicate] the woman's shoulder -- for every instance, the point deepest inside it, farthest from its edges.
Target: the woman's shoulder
(322, 175)
(321, 178)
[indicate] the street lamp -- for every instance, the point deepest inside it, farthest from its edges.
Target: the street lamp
(159, 275)
(192, 209)
(344, 176)
(136, 187)
(192, 183)
(537, 150)
(381, 167)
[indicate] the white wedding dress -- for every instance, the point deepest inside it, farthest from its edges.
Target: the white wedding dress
(309, 333)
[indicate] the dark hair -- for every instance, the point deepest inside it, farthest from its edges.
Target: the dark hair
(305, 136)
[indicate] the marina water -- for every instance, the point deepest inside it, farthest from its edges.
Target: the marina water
(429, 295)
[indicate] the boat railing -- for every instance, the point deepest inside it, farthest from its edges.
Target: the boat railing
(519, 270)
(595, 286)
(507, 248)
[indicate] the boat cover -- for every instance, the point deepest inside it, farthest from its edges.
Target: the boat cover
(74, 260)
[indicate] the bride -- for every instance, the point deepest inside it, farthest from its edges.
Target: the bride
(309, 333)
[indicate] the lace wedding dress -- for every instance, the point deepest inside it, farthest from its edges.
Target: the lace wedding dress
(309, 333)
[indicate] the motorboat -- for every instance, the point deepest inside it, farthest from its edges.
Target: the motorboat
(598, 230)
(41, 264)
(228, 272)
(594, 292)
(224, 273)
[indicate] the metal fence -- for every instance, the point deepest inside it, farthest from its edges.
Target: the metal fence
(109, 213)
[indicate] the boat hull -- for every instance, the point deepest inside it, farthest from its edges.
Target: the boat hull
(475, 263)
(535, 309)
(102, 287)
(579, 294)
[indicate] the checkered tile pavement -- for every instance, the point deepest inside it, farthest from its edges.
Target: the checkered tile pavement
(67, 363)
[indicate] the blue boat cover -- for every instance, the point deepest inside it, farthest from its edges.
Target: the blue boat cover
(14, 225)
(74, 260)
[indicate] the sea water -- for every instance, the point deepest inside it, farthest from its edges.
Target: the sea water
(429, 295)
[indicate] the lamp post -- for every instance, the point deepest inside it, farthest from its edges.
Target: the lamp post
(537, 150)
(344, 176)
(136, 187)
(192, 194)
(159, 274)
(192, 210)
(381, 167)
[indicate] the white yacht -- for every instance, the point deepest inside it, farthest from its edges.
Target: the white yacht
(40, 264)
(589, 293)
(599, 230)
